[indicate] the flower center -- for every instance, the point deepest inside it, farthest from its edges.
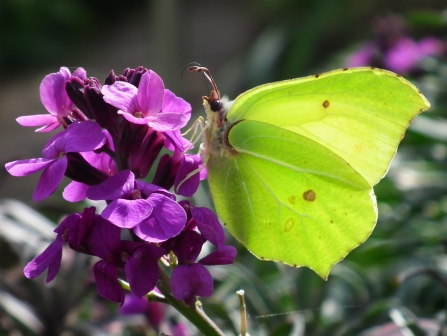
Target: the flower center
(61, 154)
(136, 194)
(138, 115)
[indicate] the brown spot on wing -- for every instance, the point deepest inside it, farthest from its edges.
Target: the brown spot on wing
(326, 104)
(309, 195)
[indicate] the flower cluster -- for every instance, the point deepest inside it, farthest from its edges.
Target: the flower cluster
(112, 136)
(393, 49)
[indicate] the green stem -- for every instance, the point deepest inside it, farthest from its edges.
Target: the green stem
(193, 313)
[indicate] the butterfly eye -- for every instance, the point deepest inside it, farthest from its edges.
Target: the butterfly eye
(216, 105)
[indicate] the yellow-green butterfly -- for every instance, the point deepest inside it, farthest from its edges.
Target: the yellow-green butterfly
(292, 164)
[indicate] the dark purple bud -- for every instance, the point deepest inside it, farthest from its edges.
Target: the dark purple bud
(110, 79)
(142, 161)
(121, 78)
(134, 76)
(80, 170)
(126, 72)
(105, 114)
(75, 91)
(166, 171)
(132, 137)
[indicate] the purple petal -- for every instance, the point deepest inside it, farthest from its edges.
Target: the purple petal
(361, 57)
(75, 192)
(194, 279)
(134, 305)
(150, 93)
(147, 189)
(166, 221)
(127, 214)
(37, 120)
(164, 122)
(48, 128)
(122, 95)
(190, 164)
(209, 226)
(27, 167)
(224, 257)
(75, 227)
(83, 137)
(53, 95)
(40, 263)
(117, 186)
(80, 73)
(188, 246)
(430, 46)
(50, 179)
(54, 147)
(403, 56)
(176, 142)
(141, 271)
(104, 240)
(107, 282)
(54, 267)
(172, 103)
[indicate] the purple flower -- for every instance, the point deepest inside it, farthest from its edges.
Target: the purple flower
(407, 53)
(150, 103)
(78, 137)
(139, 260)
(362, 57)
(149, 210)
(402, 56)
(54, 99)
(77, 191)
(190, 279)
(71, 230)
(153, 311)
(184, 184)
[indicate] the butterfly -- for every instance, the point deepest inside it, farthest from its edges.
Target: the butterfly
(292, 164)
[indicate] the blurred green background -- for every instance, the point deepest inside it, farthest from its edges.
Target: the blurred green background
(394, 284)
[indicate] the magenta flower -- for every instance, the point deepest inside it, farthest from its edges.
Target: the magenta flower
(154, 312)
(78, 137)
(402, 57)
(190, 279)
(139, 260)
(72, 230)
(407, 53)
(150, 103)
(76, 191)
(149, 210)
(185, 185)
(54, 99)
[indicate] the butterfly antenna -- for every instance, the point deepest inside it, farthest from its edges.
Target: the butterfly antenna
(207, 73)
(190, 65)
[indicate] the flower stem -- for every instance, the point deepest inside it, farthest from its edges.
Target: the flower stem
(193, 313)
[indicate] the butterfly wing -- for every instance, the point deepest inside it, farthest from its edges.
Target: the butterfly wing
(360, 114)
(290, 199)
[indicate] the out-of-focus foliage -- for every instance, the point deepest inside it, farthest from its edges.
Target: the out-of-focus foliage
(38, 33)
(397, 279)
